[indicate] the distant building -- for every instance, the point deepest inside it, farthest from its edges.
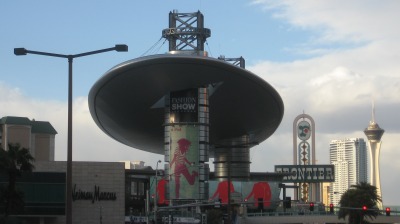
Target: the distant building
(134, 164)
(326, 193)
(349, 156)
(37, 136)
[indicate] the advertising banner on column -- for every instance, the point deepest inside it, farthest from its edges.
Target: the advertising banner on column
(251, 193)
(160, 185)
(184, 170)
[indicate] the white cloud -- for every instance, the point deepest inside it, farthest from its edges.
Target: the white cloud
(335, 81)
(89, 142)
(336, 86)
(340, 20)
(339, 74)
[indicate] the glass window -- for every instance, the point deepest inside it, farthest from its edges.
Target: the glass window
(134, 188)
(141, 188)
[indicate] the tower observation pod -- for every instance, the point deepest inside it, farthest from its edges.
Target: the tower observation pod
(188, 107)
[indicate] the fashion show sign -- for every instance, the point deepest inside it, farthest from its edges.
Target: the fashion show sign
(306, 173)
(184, 105)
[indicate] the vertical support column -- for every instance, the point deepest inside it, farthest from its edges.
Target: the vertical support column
(172, 24)
(204, 127)
(200, 38)
(233, 155)
(375, 148)
(186, 143)
(232, 162)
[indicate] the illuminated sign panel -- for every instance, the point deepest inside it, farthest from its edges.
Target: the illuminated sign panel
(306, 173)
(184, 105)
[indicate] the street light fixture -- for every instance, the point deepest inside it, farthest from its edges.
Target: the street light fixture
(156, 193)
(23, 51)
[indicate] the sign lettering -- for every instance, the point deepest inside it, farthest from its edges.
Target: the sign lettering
(306, 173)
(96, 195)
(185, 104)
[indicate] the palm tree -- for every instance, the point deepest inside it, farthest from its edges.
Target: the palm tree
(14, 162)
(355, 198)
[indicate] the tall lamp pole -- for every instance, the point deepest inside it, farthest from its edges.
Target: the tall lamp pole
(23, 51)
(156, 193)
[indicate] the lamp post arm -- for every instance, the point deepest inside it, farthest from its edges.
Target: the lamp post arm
(93, 52)
(47, 54)
(117, 47)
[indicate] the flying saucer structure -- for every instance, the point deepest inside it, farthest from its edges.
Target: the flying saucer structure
(124, 102)
(188, 107)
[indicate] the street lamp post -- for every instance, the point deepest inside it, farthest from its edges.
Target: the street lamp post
(23, 51)
(156, 193)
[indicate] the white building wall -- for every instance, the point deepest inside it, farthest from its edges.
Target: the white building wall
(349, 156)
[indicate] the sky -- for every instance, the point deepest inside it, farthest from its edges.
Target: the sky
(329, 59)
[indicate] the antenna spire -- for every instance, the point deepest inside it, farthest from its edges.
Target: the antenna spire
(373, 112)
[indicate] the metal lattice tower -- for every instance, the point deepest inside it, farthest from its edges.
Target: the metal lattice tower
(186, 31)
(235, 61)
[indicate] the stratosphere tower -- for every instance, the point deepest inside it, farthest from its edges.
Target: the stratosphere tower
(374, 134)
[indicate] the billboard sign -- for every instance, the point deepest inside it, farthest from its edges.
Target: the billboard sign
(252, 193)
(183, 167)
(184, 105)
(306, 173)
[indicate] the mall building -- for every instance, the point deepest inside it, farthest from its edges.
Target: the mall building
(107, 192)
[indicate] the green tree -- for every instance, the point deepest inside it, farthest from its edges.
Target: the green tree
(14, 162)
(352, 201)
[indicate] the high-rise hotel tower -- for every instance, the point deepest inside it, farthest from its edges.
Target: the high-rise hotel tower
(351, 161)
(374, 134)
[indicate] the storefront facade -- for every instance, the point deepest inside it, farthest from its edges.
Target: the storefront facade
(98, 193)
(106, 192)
